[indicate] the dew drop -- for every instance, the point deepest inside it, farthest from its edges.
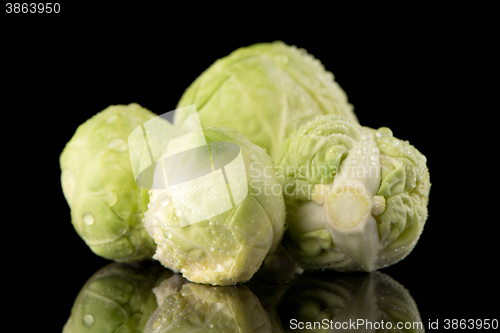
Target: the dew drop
(253, 157)
(112, 118)
(88, 320)
(384, 132)
(164, 200)
(282, 59)
(206, 277)
(157, 238)
(112, 198)
(118, 145)
(88, 218)
(177, 212)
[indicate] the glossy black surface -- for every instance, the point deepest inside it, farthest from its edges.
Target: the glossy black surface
(402, 76)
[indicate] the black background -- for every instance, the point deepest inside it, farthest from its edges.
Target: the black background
(419, 72)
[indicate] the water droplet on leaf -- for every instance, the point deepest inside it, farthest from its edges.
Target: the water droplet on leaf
(88, 218)
(164, 200)
(119, 145)
(88, 320)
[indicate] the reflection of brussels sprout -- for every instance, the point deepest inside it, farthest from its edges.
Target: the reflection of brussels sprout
(356, 197)
(117, 298)
(277, 267)
(264, 91)
(228, 247)
(331, 302)
(190, 307)
(272, 280)
(97, 180)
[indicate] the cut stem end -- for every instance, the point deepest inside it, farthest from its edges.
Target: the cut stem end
(348, 207)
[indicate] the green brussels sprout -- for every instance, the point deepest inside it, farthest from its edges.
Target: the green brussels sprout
(191, 307)
(354, 302)
(356, 197)
(217, 226)
(98, 183)
(264, 91)
(117, 298)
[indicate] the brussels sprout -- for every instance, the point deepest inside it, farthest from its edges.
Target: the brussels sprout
(357, 302)
(117, 298)
(356, 197)
(264, 91)
(97, 181)
(218, 225)
(190, 307)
